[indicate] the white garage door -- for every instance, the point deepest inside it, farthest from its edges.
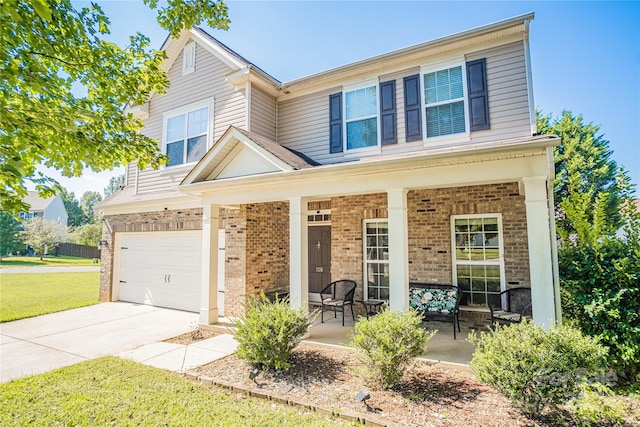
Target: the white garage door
(161, 269)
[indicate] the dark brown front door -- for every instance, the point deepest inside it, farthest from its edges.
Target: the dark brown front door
(319, 257)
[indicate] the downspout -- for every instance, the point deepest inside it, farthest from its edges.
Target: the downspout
(527, 59)
(553, 237)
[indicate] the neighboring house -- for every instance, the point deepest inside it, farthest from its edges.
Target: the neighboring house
(50, 209)
(420, 165)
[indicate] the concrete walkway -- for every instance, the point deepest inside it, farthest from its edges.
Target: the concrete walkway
(43, 343)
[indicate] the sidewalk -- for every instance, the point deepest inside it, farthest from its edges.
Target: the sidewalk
(59, 269)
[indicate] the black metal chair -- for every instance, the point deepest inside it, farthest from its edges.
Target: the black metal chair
(510, 306)
(336, 296)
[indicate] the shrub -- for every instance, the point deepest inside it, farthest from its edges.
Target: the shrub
(597, 404)
(533, 367)
(386, 344)
(269, 331)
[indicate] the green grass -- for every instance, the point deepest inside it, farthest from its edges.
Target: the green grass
(112, 391)
(34, 261)
(32, 294)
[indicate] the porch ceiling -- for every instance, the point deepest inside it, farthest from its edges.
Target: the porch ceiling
(479, 164)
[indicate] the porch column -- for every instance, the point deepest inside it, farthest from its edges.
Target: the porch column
(209, 280)
(398, 249)
(540, 254)
(298, 253)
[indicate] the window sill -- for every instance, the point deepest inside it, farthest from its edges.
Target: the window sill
(166, 170)
(447, 140)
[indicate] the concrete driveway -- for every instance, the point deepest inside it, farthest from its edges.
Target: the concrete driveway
(40, 344)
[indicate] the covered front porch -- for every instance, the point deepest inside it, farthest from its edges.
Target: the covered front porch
(479, 220)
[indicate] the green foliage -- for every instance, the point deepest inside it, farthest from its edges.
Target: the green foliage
(48, 50)
(10, 240)
(600, 283)
(585, 174)
(75, 215)
(88, 201)
(33, 294)
(114, 185)
(43, 235)
(597, 404)
(111, 391)
(533, 367)
(269, 331)
(386, 345)
(88, 234)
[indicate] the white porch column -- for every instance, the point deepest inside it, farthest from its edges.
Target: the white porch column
(298, 253)
(540, 254)
(398, 249)
(209, 280)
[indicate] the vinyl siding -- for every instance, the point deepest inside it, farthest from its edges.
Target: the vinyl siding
(304, 122)
(263, 113)
(303, 125)
(207, 82)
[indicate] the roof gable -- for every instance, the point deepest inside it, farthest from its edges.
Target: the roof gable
(241, 153)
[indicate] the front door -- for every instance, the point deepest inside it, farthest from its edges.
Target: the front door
(319, 260)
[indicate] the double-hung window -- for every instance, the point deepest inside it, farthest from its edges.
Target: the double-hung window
(186, 134)
(444, 101)
(478, 259)
(361, 117)
(376, 253)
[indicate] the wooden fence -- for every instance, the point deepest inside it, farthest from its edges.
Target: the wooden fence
(72, 249)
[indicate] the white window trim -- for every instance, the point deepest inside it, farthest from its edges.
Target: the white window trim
(189, 51)
(456, 137)
(376, 149)
(365, 284)
(209, 103)
(499, 262)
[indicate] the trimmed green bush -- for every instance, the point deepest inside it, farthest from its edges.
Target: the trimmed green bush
(386, 345)
(269, 331)
(597, 404)
(536, 368)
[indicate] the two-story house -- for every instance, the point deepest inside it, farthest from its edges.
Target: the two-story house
(50, 208)
(419, 165)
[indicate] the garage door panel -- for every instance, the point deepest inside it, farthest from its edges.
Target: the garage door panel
(161, 269)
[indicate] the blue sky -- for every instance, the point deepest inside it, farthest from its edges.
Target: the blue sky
(585, 55)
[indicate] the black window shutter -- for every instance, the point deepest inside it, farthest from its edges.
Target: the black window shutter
(388, 112)
(478, 94)
(412, 108)
(335, 123)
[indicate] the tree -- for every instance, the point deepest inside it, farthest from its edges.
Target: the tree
(10, 240)
(89, 200)
(47, 50)
(114, 185)
(585, 173)
(88, 234)
(43, 235)
(599, 230)
(75, 215)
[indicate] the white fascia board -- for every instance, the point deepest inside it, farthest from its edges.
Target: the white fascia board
(490, 165)
(217, 51)
(184, 201)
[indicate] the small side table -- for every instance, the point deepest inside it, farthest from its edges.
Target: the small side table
(373, 306)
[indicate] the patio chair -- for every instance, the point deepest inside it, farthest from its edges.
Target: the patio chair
(336, 296)
(436, 301)
(511, 306)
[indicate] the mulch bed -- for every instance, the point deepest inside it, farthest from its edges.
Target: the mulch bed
(428, 395)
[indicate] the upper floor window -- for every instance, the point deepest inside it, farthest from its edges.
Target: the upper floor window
(186, 135)
(444, 102)
(361, 118)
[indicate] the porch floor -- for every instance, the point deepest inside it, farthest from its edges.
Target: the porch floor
(442, 347)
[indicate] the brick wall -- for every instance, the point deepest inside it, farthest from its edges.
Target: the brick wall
(347, 213)
(169, 220)
(429, 212)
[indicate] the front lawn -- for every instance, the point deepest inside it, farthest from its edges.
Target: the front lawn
(28, 295)
(112, 391)
(34, 261)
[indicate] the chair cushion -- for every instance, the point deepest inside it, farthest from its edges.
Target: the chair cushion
(441, 301)
(333, 302)
(507, 315)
